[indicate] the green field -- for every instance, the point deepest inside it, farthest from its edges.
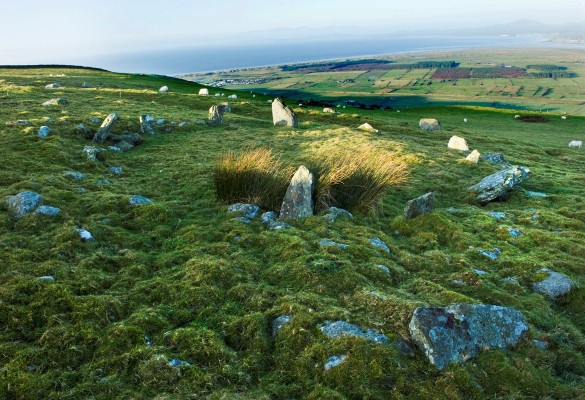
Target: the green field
(181, 279)
(403, 88)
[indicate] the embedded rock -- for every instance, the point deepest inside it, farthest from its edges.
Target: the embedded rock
(147, 124)
(132, 138)
(429, 124)
(298, 200)
(268, 217)
(335, 212)
(246, 210)
(554, 285)
(334, 361)
(116, 170)
(535, 195)
(48, 211)
(53, 86)
(84, 234)
(138, 200)
(497, 185)
(106, 128)
(454, 334)
(458, 143)
(124, 146)
(367, 127)
(283, 115)
(44, 131)
(56, 102)
(379, 243)
(473, 157)
(339, 329)
(232, 96)
(93, 153)
(23, 203)
(492, 255)
(331, 243)
(329, 110)
(279, 322)
(496, 158)
(420, 205)
(75, 175)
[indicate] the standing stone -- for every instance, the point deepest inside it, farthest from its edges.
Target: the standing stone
(147, 124)
(473, 157)
(216, 113)
(429, 124)
(496, 185)
(457, 143)
(106, 128)
(457, 333)
(23, 203)
(298, 200)
(283, 115)
(203, 92)
(420, 205)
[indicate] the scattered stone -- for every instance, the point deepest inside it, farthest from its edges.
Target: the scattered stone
(404, 347)
(53, 86)
(85, 85)
(383, 268)
(232, 96)
(56, 102)
(138, 200)
(492, 255)
(535, 195)
(147, 124)
(268, 217)
(44, 131)
(132, 138)
(420, 205)
(497, 185)
(465, 120)
(203, 92)
(298, 200)
(242, 219)
(479, 272)
(542, 345)
(269, 101)
(554, 285)
(49, 278)
(379, 243)
(106, 128)
(473, 157)
(95, 120)
(279, 322)
(163, 89)
(178, 363)
(83, 131)
(116, 170)
(75, 175)
(563, 117)
(458, 282)
(457, 333)
(48, 211)
(339, 329)
(458, 143)
(367, 127)
(495, 158)
(217, 95)
(497, 214)
(249, 211)
(511, 281)
(114, 148)
(124, 146)
(93, 153)
(23, 203)
(201, 122)
(160, 121)
(334, 361)
(283, 115)
(277, 225)
(184, 124)
(21, 122)
(331, 243)
(575, 144)
(329, 110)
(216, 113)
(85, 235)
(103, 182)
(429, 124)
(335, 212)
(514, 232)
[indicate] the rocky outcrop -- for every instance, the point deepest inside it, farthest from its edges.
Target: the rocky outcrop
(420, 205)
(497, 185)
(457, 333)
(23, 203)
(283, 115)
(429, 124)
(106, 128)
(298, 200)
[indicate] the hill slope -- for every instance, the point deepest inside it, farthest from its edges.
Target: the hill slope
(181, 280)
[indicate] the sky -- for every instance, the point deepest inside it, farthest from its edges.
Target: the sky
(39, 31)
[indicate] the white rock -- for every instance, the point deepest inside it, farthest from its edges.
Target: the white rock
(457, 143)
(473, 157)
(367, 127)
(429, 124)
(203, 92)
(163, 89)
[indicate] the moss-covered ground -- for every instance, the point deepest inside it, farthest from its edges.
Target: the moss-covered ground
(180, 279)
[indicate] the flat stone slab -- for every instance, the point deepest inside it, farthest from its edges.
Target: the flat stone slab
(451, 335)
(339, 329)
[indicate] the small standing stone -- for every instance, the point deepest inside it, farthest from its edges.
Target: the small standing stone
(216, 114)
(420, 205)
(106, 128)
(147, 124)
(473, 157)
(429, 124)
(298, 200)
(283, 115)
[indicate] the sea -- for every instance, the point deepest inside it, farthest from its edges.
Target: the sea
(191, 59)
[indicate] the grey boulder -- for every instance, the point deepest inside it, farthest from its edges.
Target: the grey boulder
(23, 203)
(49, 211)
(298, 200)
(420, 205)
(554, 285)
(339, 329)
(497, 185)
(282, 115)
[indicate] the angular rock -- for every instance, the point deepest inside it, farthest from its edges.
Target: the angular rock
(106, 128)
(367, 127)
(147, 124)
(138, 200)
(429, 124)
(339, 329)
(44, 131)
(279, 322)
(492, 255)
(283, 115)
(56, 102)
(84, 234)
(93, 153)
(457, 333)
(497, 185)
(132, 138)
(379, 243)
(249, 211)
(277, 225)
(331, 243)
(554, 285)
(420, 205)
(457, 143)
(473, 157)
(298, 200)
(335, 212)
(495, 158)
(268, 217)
(334, 361)
(203, 92)
(23, 203)
(48, 211)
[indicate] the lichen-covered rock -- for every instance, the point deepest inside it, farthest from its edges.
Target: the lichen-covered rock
(497, 185)
(246, 210)
(138, 200)
(147, 124)
(124, 146)
(93, 153)
(279, 322)
(339, 329)
(457, 333)
(379, 243)
(298, 200)
(23, 203)
(277, 225)
(268, 217)
(473, 157)
(554, 285)
(429, 124)
(420, 205)
(216, 113)
(495, 158)
(56, 102)
(367, 127)
(334, 212)
(106, 128)
(283, 115)
(44, 131)
(49, 211)
(457, 143)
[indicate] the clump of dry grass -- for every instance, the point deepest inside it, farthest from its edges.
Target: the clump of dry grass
(252, 176)
(358, 179)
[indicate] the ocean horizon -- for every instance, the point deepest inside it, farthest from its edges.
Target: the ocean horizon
(198, 59)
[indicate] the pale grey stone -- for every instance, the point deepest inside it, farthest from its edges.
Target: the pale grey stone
(331, 243)
(429, 124)
(44, 131)
(106, 128)
(93, 153)
(23, 203)
(147, 124)
(554, 285)
(138, 200)
(56, 102)
(75, 175)
(298, 200)
(268, 217)
(283, 115)
(379, 243)
(457, 143)
(497, 185)
(473, 157)
(84, 234)
(334, 361)
(48, 211)
(116, 170)
(246, 210)
(339, 329)
(420, 205)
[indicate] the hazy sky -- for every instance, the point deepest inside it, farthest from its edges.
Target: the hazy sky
(36, 31)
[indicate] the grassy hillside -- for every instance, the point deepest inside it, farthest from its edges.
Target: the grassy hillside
(181, 279)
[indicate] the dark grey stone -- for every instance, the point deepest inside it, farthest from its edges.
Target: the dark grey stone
(23, 203)
(457, 333)
(420, 205)
(339, 329)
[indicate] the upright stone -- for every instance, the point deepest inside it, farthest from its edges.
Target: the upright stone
(420, 205)
(216, 113)
(429, 124)
(298, 200)
(457, 143)
(473, 157)
(496, 185)
(147, 124)
(283, 115)
(106, 128)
